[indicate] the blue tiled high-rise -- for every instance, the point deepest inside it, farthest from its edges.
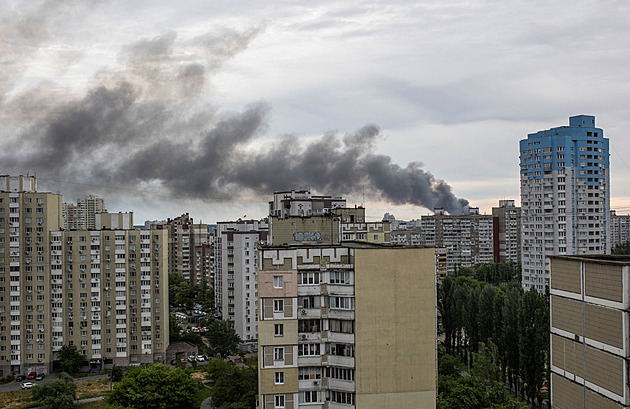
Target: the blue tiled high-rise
(565, 196)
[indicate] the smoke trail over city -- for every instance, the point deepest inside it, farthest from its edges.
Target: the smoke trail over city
(149, 122)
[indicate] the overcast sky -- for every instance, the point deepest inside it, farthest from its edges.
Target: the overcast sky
(206, 107)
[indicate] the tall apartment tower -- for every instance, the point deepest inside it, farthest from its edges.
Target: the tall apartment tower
(590, 304)
(26, 219)
(506, 232)
(105, 291)
(346, 325)
(235, 277)
(186, 251)
(82, 216)
(565, 196)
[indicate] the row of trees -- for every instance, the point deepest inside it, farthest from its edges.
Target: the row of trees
(184, 295)
(517, 323)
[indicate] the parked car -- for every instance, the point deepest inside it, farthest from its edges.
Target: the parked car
(200, 358)
(20, 378)
(192, 358)
(27, 385)
(40, 377)
(32, 375)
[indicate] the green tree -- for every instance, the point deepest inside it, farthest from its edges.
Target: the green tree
(486, 317)
(70, 359)
(232, 387)
(56, 394)
(510, 333)
(222, 338)
(621, 249)
(154, 386)
(117, 374)
(533, 320)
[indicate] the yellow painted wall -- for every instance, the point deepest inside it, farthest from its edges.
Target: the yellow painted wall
(395, 328)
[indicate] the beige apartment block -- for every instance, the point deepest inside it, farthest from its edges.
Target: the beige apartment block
(104, 291)
(26, 218)
(110, 294)
(82, 216)
(188, 248)
(348, 325)
(590, 338)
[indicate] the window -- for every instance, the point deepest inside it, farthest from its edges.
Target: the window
(308, 373)
(279, 378)
(311, 396)
(278, 283)
(308, 349)
(279, 330)
(278, 354)
(278, 305)
(279, 401)
(339, 277)
(308, 278)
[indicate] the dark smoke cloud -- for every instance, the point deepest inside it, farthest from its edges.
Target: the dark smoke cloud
(149, 122)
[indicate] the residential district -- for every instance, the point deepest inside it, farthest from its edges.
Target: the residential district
(342, 312)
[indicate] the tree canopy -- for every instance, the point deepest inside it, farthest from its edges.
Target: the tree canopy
(56, 394)
(154, 386)
(233, 387)
(70, 359)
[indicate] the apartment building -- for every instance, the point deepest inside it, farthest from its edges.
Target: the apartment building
(335, 225)
(75, 287)
(506, 223)
(302, 203)
(188, 244)
(235, 278)
(565, 196)
(109, 294)
(619, 229)
(468, 239)
(26, 218)
(82, 216)
(347, 325)
(590, 304)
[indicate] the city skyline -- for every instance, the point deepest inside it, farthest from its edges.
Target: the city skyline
(452, 86)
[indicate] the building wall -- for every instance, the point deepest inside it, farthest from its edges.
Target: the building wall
(321, 331)
(236, 280)
(395, 348)
(565, 196)
(26, 217)
(590, 335)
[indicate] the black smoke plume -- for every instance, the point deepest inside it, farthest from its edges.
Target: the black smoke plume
(149, 122)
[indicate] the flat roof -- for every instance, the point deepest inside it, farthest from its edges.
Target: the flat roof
(597, 258)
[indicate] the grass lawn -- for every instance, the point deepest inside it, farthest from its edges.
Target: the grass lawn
(89, 389)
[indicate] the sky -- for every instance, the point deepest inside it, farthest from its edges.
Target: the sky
(207, 107)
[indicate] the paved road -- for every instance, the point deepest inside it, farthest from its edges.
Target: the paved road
(15, 386)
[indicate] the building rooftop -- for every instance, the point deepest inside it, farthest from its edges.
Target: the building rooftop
(597, 258)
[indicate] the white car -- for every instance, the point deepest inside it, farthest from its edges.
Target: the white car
(27, 385)
(201, 358)
(192, 358)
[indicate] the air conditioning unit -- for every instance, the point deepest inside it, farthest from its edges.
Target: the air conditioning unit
(303, 312)
(303, 337)
(317, 382)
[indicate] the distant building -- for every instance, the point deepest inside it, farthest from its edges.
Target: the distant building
(235, 278)
(565, 196)
(590, 305)
(82, 216)
(302, 203)
(188, 248)
(506, 232)
(348, 325)
(619, 229)
(468, 239)
(105, 291)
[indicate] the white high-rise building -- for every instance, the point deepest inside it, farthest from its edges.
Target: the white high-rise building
(236, 280)
(565, 196)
